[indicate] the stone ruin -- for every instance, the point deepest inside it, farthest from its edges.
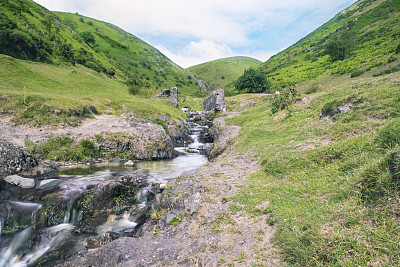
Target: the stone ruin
(174, 97)
(172, 94)
(215, 101)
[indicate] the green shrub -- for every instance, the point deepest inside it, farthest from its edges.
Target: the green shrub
(392, 59)
(88, 37)
(252, 81)
(397, 49)
(284, 99)
(387, 71)
(313, 88)
(340, 47)
(357, 73)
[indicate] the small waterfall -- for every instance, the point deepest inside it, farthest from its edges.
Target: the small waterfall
(49, 238)
(9, 256)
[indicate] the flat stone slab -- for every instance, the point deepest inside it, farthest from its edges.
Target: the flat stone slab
(49, 183)
(20, 181)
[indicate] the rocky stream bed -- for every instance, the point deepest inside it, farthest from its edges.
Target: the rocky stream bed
(109, 214)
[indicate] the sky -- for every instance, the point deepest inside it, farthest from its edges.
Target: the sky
(191, 32)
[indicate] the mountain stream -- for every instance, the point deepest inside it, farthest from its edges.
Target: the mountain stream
(24, 241)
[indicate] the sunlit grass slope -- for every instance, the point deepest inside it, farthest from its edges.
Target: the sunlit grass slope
(329, 180)
(361, 40)
(40, 93)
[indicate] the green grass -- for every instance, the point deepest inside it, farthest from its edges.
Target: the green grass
(31, 32)
(373, 30)
(332, 185)
(42, 94)
(134, 57)
(222, 72)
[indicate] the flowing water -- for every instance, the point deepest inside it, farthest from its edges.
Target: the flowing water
(22, 243)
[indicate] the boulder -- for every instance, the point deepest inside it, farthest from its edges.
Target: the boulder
(129, 163)
(14, 159)
(248, 104)
(142, 139)
(222, 141)
(20, 181)
(44, 184)
(215, 101)
(345, 108)
(106, 193)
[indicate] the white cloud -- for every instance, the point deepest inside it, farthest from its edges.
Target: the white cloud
(197, 52)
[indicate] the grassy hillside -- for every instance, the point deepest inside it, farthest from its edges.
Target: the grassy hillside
(133, 57)
(361, 40)
(31, 32)
(329, 181)
(43, 94)
(222, 72)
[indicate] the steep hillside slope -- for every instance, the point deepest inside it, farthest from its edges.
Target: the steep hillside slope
(222, 72)
(133, 57)
(362, 38)
(31, 32)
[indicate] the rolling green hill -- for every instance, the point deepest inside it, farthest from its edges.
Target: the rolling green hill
(222, 72)
(31, 32)
(363, 38)
(60, 67)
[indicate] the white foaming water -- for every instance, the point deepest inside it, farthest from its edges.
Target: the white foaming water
(117, 225)
(8, 256)
(82, 182)
(51, 237)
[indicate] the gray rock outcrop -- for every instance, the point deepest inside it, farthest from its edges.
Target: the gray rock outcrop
(174, 97)
(14, 159)
(137, 138)
(176, 130)
(105, 193)
(248, 104)
(215, 101)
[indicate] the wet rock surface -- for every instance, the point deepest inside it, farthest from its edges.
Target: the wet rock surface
(20, 181)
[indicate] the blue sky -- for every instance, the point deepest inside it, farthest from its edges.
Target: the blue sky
(191, 32)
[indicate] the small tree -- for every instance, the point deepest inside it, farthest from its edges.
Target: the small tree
(340, 47)
(88, 37)
(252, 81)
